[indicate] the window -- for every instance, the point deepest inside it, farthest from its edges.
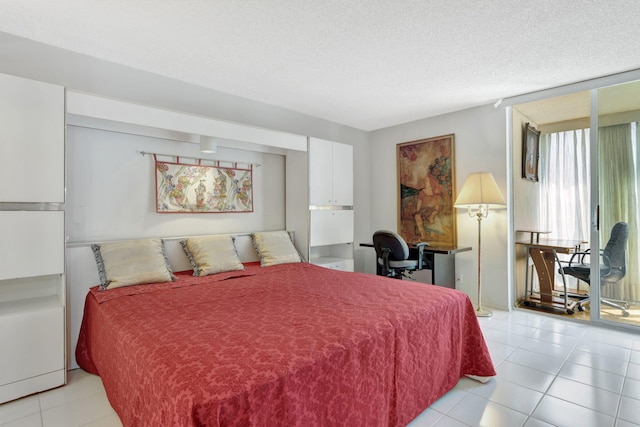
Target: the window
(565, 191)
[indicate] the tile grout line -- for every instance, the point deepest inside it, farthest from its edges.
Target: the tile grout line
(564, 362)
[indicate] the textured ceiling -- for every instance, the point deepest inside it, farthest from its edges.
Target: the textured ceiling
(368, 64)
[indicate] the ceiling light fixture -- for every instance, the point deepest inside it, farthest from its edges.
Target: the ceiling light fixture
(208, 144)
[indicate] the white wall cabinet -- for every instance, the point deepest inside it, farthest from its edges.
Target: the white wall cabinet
(31, 243)
(32, 280)
(32, 123)
(331, 216)
(330, 173)
(331, 227)
(32, 358)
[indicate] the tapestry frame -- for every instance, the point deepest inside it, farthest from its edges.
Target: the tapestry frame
(426, 191)
(203, 188)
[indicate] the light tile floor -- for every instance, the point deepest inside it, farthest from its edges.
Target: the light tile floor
(551, 372)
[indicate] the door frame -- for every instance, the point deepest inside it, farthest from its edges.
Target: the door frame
(593, 87)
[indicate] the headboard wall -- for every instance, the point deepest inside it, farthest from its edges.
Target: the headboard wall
(111, 189)
(82, 274)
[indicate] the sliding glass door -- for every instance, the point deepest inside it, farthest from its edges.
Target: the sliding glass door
(588, 189)
(616, 204)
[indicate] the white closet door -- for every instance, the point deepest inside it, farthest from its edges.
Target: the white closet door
(31, 141)
(41, 353)
(342, 175)
(331, 227)
(32, 243)
(320, 172)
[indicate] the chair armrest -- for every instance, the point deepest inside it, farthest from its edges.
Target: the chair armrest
(607, 264)
(581, 255)
(420, 247)
(385, 260)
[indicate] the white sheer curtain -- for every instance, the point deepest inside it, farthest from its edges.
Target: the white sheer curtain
(564, 192)
(564, 184)
(619, 184)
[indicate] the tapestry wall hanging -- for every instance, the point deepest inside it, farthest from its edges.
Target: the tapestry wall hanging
(426, 191)
(198, 188)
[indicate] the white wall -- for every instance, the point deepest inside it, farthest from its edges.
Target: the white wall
(111, 189)
(480, 145)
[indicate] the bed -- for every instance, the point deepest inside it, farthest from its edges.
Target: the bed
(290, 344)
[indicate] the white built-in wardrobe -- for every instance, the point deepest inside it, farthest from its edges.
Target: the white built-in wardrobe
(32, 266)
(320, 202)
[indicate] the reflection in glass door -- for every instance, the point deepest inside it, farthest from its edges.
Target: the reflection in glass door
(615, 225)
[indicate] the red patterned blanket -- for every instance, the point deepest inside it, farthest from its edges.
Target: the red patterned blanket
(290, 345)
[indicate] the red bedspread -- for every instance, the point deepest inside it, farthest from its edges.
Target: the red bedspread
(290, 345)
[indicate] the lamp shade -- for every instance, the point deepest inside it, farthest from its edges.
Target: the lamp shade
(480, 189)
(208, 144)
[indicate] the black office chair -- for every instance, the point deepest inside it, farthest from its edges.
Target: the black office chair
(392, 253)
(612, 269)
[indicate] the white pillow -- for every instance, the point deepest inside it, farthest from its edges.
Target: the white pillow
(211, 254)
(274, 247)
(132, 262)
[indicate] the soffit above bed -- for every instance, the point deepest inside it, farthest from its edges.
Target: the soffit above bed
(97, 112)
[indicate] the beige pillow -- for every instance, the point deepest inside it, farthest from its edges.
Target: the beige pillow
(132, 262)
(211, 254)
(274, 247)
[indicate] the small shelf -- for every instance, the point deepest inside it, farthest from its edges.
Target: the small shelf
(326, 260)
(334, 263)
(29, 304)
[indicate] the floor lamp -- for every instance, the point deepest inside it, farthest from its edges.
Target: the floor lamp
(479, 194)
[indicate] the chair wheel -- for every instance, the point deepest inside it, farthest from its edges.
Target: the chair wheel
(580, 308)
(569, 311)
(625, 314)
(526, 303)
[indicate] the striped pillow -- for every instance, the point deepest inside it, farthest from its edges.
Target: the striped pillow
(131, 262)
(211, 254)
(275, 247)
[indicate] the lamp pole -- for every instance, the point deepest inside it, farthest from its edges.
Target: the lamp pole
(480, 214)
(481, 192)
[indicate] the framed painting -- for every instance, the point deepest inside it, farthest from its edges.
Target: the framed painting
(530, 152)
(426, 191)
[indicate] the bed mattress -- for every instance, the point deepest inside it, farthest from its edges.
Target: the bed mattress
(291, 344)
